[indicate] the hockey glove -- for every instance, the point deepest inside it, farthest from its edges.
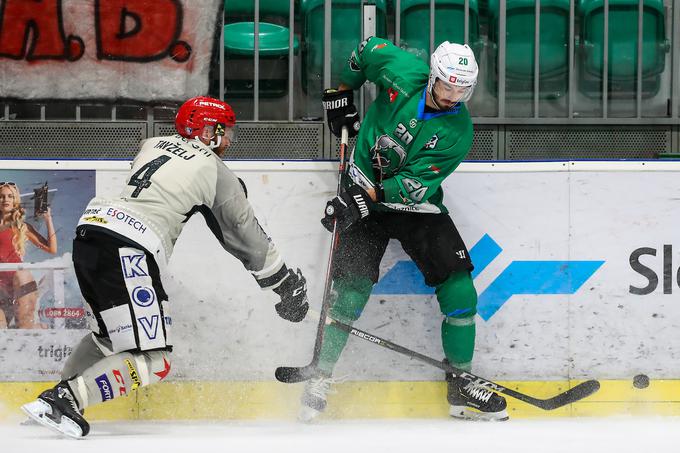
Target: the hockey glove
(348, 207)
(340, 111)
(293, 292)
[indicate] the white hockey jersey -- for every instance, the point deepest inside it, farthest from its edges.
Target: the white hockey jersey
(171, 179)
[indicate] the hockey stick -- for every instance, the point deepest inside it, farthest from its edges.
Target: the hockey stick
(291, 374)
(572, 395)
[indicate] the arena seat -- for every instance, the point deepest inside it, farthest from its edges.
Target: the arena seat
(239, 48)
(520, 45)
(449, 25)
(623, 47)
(346, 35)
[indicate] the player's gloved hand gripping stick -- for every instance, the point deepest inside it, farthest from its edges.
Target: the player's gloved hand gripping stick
(346, 208)
(341, 111)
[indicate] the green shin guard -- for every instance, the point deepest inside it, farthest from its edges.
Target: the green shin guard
(458, 302)
(458, 342)
(352, 297)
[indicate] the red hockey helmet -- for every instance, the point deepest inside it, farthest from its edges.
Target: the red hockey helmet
(202, 111)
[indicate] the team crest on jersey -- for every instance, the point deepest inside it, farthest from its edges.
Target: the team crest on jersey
(431, 143)
(384, 151)
(392, 93)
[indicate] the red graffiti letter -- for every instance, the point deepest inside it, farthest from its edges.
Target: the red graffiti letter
(33, 29)
(137, 30)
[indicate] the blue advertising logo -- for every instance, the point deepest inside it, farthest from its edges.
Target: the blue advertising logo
(520, 277)
(104, 387)
(143, 296)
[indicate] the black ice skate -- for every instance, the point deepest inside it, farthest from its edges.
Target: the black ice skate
(313, 398)
(473, 401)
(31, 421)
(57, 408)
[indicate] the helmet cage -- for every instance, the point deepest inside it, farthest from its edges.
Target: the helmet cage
(445, 90)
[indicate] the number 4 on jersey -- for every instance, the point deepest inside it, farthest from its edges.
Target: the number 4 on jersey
(142, 177)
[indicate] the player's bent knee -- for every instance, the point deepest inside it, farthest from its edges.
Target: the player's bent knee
(457, 296)
(159, 365)
(146, 368)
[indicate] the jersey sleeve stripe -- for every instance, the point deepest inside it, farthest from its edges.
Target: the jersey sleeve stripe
(274, 280)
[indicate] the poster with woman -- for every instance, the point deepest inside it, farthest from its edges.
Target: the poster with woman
(39, 210)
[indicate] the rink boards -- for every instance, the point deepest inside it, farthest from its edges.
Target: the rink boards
(576, 271)
(354, 400)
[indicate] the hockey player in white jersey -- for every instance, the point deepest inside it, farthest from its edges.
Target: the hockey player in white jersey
(123, 244)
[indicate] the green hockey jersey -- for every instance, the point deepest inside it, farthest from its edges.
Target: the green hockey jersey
(400, 145)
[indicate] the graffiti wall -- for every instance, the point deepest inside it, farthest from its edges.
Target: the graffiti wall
(147, 50)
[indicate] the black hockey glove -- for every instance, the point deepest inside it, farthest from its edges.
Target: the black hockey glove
(293, 292)
(340, 111)
(348, 207)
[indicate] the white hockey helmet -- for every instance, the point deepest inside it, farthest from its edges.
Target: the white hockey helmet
(455, 65)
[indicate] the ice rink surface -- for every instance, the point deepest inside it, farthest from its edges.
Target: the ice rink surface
(582, 435)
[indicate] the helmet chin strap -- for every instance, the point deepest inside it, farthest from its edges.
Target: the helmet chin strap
(430, 91)
(213, 144)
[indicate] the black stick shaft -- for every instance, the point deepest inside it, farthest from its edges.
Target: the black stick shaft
(570, 396)
(325, 302)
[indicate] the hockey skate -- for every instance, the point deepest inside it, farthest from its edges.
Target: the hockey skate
(57, 409)
(472, 401)
(313, 398)
(29, 421)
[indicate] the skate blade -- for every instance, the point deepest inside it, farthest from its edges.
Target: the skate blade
(468, 413)
(29, 422)
(39, 410)
(308, 414)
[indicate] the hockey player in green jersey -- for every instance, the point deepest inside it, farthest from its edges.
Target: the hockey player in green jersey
(414, 135)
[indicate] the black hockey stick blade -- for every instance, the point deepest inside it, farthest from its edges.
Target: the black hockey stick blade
(294, 374)
(577, 393)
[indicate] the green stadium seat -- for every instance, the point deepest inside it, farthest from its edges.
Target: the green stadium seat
(241, 8)
(553, 65)
(239, 48)
(239, 39)
(449, 25)
(346, 35)
(623, 46)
